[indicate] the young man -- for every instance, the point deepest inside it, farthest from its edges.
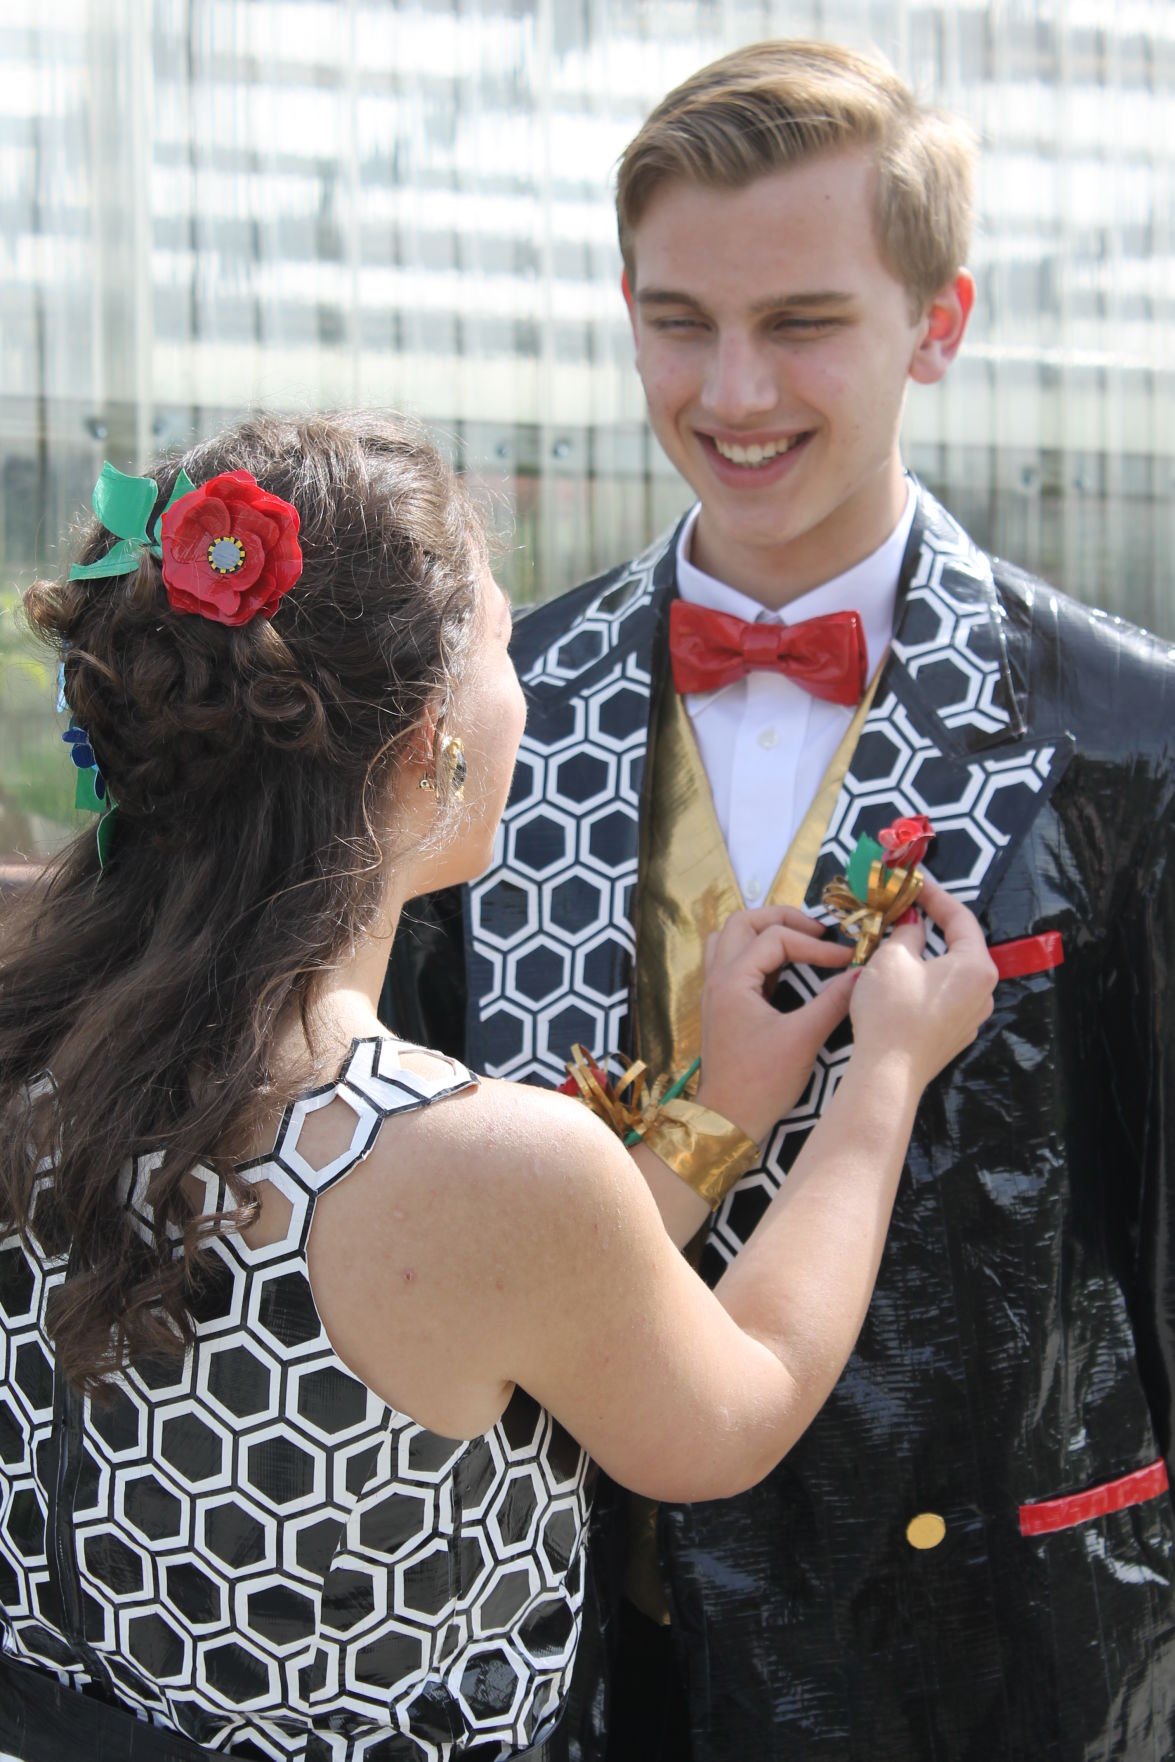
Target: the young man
(969, 1555)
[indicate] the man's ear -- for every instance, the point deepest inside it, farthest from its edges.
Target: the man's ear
(629, 300)
(945, 326)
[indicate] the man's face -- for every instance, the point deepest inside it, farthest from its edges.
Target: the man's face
(775, 347)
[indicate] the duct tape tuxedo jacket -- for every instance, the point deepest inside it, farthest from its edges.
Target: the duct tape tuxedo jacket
(969, 1554)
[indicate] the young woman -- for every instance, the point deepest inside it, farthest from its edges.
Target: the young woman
(301, 1322)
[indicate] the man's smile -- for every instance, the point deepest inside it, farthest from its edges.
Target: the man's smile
(763, 459)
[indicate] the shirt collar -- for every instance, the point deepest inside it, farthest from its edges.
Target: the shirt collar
(870, 587)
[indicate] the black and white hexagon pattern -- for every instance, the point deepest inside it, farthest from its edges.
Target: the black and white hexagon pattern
(552, 936)
(603, 624)
(270, 1559)
(552, 930)
(552, 942)
(948, 639)
(975, 804)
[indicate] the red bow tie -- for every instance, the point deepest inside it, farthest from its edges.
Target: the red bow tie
(824, 655)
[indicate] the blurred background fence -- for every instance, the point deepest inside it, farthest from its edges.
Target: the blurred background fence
(211, 205)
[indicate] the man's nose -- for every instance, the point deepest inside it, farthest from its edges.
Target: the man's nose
(740, 384)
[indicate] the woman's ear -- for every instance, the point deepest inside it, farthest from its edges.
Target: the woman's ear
(420, 749)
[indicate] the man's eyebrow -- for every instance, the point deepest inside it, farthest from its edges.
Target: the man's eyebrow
(819, 298)
(666, 297)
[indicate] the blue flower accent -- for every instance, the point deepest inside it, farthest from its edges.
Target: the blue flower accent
(82, 754)
(80, 750)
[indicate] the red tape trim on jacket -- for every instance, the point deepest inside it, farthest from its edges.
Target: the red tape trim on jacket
(1044, 1515)
(1031, 954)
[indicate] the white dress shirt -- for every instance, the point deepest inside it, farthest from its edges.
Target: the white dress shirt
(765, 741)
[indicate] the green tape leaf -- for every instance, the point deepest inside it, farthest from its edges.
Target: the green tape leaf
(85, 795)
(123, 504)
(867, 852)
(183, 487)
(121, 559)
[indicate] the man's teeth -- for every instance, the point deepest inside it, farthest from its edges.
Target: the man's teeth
(756, 455)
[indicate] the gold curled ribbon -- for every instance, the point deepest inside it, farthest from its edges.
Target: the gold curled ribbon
(621, 1113)
(891, 893)
(702, 1148)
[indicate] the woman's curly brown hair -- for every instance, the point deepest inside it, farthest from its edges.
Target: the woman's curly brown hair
(251, 767)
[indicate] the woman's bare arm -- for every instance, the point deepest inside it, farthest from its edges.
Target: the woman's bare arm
(538, 1257)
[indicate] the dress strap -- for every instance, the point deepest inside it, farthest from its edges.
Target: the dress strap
(374, 1084)
(375, 1072)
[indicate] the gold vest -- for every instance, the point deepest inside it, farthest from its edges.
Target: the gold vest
(687, 890)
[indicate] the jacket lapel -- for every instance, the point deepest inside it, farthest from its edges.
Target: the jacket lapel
(549, 925)
(945, 737)
(946, 734)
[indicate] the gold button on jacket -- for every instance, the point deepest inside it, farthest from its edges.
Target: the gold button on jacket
(926, 1530)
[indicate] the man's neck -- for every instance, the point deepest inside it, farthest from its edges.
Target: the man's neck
(775, 575)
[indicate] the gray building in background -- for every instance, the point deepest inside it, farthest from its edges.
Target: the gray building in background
(210, 205)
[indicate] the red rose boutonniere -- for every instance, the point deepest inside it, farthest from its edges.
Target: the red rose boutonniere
(230, 550)
(906, 842)
(881, 883)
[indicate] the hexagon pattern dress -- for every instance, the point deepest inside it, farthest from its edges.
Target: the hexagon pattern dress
(250, 1547)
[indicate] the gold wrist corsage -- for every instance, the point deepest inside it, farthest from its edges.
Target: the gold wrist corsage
(702, 1148)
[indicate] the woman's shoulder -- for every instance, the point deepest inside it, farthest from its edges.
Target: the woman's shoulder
(492, 1143)
(420, 1258)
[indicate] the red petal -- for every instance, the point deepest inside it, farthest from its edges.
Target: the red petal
(247, 519)
(244, 577)
(228, 483)
(286, 571)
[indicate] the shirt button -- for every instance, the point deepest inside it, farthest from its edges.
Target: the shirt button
(752, 887)
(926, 1530)
(768, 737)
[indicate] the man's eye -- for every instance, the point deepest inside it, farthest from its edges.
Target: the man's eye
(806, 325)
(664, 324)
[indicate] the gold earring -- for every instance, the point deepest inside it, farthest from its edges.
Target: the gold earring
(426, 782)
(456, 764)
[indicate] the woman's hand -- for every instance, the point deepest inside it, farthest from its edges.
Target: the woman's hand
(756, 1060)
(925, 1011)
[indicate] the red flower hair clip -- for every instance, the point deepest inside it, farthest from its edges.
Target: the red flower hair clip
(230, 550)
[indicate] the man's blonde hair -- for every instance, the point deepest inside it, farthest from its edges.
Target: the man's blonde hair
(772, 105)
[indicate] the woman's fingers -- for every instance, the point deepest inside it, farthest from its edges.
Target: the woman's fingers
(958, 924)
(770, 943)
(826, 1011)
(775, 947)
(742, 927)
(911, 935)
(763, 917)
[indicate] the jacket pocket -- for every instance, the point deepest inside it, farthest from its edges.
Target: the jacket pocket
(1028, 954)
(1042, 1516)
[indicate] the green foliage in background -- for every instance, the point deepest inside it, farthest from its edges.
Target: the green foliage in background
(37, 814)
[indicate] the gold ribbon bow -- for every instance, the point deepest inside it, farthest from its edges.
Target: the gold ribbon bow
(620, 1112)
(891, 893)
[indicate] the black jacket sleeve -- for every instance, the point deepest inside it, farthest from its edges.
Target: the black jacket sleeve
(1138, 1044)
